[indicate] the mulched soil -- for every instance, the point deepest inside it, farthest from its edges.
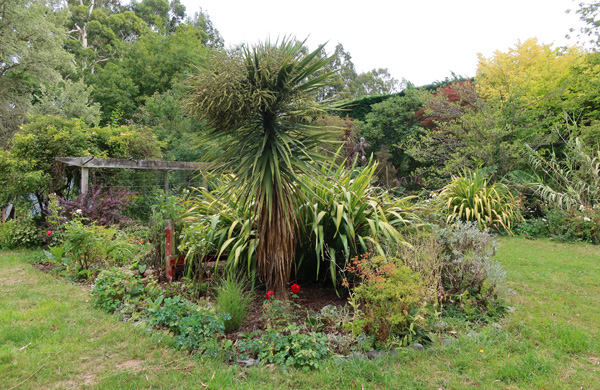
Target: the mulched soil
(45, 266)
(310, 298)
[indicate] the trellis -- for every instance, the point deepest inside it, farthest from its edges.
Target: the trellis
(172, 261)
(91, 162)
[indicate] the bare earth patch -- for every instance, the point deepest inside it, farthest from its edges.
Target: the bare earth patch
(130, 365)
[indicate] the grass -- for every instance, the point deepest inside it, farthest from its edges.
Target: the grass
(49, 329)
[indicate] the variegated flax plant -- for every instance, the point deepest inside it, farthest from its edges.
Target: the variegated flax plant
(471, 197)
(259, 103)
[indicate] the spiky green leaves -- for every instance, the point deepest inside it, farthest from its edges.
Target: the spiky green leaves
(470, 197)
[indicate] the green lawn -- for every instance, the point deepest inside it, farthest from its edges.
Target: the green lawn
(52, 338)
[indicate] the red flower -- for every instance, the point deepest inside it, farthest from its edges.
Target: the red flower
(295, 288)
(270, 294)
(49, 233)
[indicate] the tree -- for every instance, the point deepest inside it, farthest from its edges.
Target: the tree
(465, 132)
(67, 99)
(260, 103)
(30, 52)
(389, 125)
(530, 82)
(97, 35)
(588, 14)
(374, 82)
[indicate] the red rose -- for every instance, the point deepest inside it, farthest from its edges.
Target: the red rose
(49, 233)
(270, 294)
(295, 288)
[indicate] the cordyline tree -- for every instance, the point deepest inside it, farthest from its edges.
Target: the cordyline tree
(260, 104)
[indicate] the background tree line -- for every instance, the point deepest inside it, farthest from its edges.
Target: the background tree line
(109, 64)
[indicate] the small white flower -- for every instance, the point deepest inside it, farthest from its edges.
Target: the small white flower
(586, 219)
(78, 211)
(544, 219)
(581, 208)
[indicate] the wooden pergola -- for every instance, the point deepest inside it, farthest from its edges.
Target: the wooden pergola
(91, 162)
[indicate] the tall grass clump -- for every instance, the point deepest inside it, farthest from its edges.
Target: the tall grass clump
(234, 298)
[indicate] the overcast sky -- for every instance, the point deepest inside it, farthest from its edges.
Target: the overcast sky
(419, 40)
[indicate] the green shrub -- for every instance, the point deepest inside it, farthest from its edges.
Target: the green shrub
(568, 182)
(287, 347)
(388, 294)
(470, 197)
(345, 217)
(202, 331)
(19, 233)
(87, 245)
(115, 286)
(170, 313)
(574, 225)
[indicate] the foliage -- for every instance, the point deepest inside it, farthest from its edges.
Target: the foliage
(388, 294)
(29, 166)
(468, 267)
(67, 99)
(113, 287)
(277, 313)
(424, 254)
(287, 347)
(259, 104)
(346, 217)
(165, 114)
(101, 205)
(466, 132)
(217, 223)
(234, 299)
(201, 331)
(392, 123)
(588, 14)
(87, 244)
(377, 81)
(31, 52)
(170, 313)
(19, 233)
(470, 197)
(569, 225)
(570, 182)
(528, 75)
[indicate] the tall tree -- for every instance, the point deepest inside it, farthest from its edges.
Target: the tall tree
(30, 52)
(260, 104)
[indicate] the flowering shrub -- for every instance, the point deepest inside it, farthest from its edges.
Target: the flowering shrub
(388, 294)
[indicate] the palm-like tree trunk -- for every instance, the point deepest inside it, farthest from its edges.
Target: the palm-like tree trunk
(277, 245)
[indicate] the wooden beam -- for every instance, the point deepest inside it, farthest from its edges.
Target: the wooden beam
(119, 163)
(84, 180)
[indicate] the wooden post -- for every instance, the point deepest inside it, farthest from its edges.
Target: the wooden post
(172, 260)
(166, 177)
(84, 180)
